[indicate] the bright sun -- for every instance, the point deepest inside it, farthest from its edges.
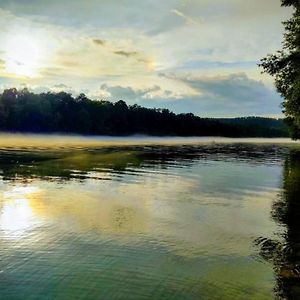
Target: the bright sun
(23, 56)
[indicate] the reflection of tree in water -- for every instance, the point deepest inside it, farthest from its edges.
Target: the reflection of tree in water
(81, 164)
(285, 254)
(63, 165)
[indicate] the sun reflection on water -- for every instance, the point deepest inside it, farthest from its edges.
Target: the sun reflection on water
(16, 214)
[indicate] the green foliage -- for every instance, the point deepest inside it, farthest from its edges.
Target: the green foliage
(24, 111)
(284, 66)
(290, 2)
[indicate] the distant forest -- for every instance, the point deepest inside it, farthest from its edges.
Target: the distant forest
(24, 111)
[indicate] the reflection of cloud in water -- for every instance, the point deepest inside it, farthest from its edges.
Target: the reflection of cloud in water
(164, 208)
(113, 207)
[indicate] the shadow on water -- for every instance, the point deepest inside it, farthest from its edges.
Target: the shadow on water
(93, 163)
(284, 253)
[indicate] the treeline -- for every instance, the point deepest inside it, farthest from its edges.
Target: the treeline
(24, 111)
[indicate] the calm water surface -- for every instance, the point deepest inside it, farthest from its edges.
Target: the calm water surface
(138, 218)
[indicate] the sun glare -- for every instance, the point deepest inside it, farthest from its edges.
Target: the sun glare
(23, 56)
(16, 215)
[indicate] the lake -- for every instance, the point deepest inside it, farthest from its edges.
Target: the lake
(149, 218)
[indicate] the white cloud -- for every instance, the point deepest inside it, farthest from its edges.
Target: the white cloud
(230, 96)
(188, 19)
(125, 45)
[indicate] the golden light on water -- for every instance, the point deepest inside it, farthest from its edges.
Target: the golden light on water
(24, 55)
(16, 215)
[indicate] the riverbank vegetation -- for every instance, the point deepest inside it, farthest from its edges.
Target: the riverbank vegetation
(284, 66)
(24, 111)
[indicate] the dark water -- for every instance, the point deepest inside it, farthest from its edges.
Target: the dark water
(148, 219)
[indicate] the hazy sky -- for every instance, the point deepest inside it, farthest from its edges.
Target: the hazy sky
(195, 56)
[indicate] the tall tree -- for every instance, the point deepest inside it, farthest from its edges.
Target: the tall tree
(284, 66)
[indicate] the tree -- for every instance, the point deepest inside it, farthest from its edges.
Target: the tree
(25, 111)
(284, 66)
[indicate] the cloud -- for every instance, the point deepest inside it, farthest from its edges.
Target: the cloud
(94, 13)
(99, 42)
(127, 93)
(206, 65)
(125, 44)
(61, 86)
(2, 63)
(69, 63)
(39, 89)
(213, 96)
(231, 95)
(188, 19)
(219, 96)
(139, 57)
(126, 53)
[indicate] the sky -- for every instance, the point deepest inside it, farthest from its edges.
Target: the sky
(196, 56)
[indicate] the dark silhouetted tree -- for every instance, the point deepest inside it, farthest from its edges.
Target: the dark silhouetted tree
(25, 111)
(284, 66)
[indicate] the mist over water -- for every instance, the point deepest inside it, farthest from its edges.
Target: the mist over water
(148, 218)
